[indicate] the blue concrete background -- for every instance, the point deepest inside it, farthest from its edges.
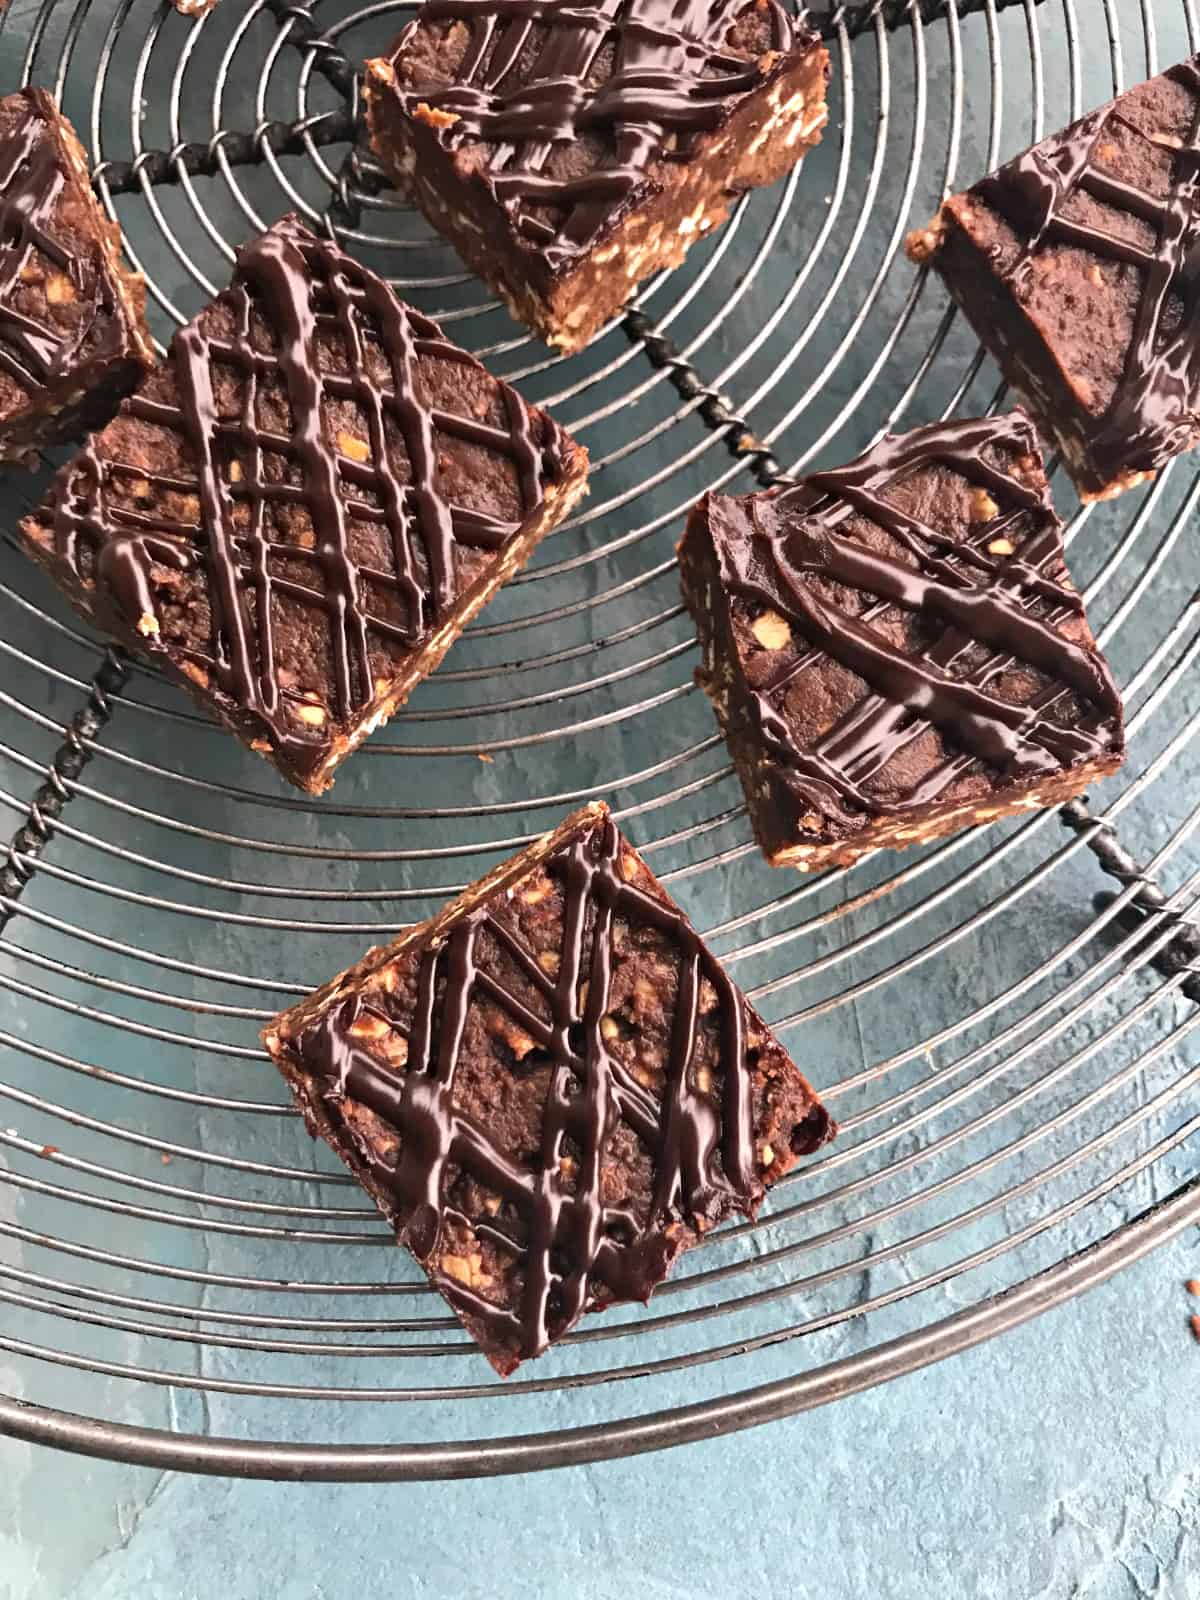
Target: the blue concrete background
(1060, 1461)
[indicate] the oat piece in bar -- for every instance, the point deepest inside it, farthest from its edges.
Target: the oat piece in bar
(299, 512)
(73, 339)
(895, 649)
(1078, 265)
(569, 151)
(550, 1089)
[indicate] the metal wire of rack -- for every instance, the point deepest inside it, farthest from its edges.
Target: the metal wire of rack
(186, 1282)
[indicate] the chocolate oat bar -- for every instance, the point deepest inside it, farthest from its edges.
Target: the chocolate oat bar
(895, 649)
(1078, 265)
(569, 151)
(299, 512)
(73, 338)
(550, 1089)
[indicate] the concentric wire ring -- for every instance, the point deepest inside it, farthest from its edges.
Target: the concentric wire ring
(179, 1268)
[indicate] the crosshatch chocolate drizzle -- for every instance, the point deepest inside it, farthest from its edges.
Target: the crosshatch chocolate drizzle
(577, 1251)
(307, 291)
(1013, 604)
(1151, 415)
(673, 77)
(31, 182)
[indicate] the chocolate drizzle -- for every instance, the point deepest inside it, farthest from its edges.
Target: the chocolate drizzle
(532, 81)
(1151, 415)
(995, 601)
(295, 302)
(32, 351)
(576, 1249)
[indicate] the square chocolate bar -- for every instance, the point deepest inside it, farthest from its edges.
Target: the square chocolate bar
(73, 338)
(569, 151)
(895, 649)
(1078, 265)
(550, 1089)
(298, 513)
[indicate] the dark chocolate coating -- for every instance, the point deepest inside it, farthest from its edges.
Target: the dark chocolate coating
(656, 1154)
(1151, 415)
(72, 341)
(360, 541)
(972, 632)
(537, 76)
(31, 182)
(1079, 265)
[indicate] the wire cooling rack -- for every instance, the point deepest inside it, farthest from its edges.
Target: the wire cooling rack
(1002, 1021)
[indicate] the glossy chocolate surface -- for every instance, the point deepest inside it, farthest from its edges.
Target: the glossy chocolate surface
(277, 457)
(578, 1246)
(643, 78)
(1120, 189)
(988, 603)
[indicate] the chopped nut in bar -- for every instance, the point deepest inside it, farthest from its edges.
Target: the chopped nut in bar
(549, 1135)
(895, 650)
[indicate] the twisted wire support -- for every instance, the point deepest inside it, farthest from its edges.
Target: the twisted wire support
(334, 65)
(715, 409)
(201, 158)
(57, 789)
(894, 14)
(1182, 953)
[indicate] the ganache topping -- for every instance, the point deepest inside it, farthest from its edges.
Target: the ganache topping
(993, 600)
(532, 80)
(577, 1250)
(32, 351)
(309, 295)
(1151, 415)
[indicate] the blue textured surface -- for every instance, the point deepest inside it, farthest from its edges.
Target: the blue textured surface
(1057, 1464)
(1060, 1461)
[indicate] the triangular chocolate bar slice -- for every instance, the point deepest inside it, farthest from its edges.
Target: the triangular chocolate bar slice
(1078, 265)
(73, 339)
(895, 649)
